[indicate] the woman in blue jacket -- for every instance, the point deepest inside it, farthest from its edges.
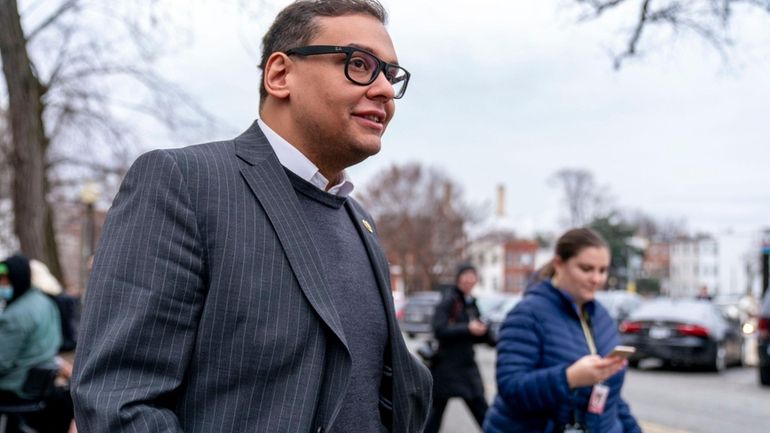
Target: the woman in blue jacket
(551, 354)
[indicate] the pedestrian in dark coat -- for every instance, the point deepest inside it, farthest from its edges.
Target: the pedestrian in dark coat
(551, 354)
(457, 327)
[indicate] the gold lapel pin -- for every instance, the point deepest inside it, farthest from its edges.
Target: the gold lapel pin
(368, 226)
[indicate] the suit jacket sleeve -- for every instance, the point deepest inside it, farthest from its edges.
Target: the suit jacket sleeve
(142, 305)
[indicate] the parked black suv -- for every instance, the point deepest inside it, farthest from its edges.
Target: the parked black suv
(763, 341)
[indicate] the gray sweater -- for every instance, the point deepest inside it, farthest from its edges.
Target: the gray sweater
(358, 300)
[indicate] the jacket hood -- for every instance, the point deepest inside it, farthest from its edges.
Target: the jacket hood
(20, 275)
(43, 279)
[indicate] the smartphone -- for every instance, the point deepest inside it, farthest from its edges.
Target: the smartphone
(622, 352)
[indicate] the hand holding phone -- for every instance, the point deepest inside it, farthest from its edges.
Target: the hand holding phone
(477, 327)
(622, 352)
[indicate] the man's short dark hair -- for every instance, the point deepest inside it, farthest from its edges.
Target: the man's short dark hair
(296, 25)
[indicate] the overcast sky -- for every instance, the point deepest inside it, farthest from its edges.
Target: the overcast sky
(509, 92)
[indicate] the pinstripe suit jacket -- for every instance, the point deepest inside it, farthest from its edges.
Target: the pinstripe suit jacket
(208, 309)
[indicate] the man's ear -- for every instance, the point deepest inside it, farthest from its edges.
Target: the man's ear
(276, 75)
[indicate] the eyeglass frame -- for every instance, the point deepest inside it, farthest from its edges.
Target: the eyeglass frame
(382, 66)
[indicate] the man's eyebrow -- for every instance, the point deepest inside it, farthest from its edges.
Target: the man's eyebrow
(364, 47)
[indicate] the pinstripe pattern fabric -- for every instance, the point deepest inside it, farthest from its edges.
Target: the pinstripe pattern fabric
(208, 309)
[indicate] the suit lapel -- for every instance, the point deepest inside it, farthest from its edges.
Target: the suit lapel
(379, 262)
(272, 188)
(266, 177)
(399, 358)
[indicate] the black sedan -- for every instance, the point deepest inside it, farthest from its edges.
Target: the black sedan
(683, 332)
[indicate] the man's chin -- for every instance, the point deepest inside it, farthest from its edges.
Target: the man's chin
(363, 152)
(369, 147)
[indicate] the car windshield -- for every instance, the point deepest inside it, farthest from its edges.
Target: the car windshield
(619, 304)
(496, 304)
(487, 304)
(424, 298)
(676, 311)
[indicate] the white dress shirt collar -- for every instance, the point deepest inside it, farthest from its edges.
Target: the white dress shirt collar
(291, 158)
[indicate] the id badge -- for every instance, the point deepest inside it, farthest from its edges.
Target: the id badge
(598, 398)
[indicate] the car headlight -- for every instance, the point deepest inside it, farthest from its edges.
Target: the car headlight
(748, 328)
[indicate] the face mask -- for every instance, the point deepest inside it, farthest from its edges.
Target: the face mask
(6, 292)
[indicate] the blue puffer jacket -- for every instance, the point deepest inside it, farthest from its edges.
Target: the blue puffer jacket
(539, 339)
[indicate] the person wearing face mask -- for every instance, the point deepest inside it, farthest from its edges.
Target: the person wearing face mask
(30, 336)
(6, 289)
(457, 326)
(554, 374)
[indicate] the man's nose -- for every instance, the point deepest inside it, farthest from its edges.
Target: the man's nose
(381, 87)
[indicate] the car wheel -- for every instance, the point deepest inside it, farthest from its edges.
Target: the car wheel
(764, 376)
(411, 334)
(719, 363)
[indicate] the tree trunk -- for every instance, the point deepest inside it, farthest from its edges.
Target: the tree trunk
(32, 222)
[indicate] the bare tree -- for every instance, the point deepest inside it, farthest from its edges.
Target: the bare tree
(585, 200)
(421, 217)
(707, 19)
(7, 242)
(77, 80)
(29, 142)
(657, 229)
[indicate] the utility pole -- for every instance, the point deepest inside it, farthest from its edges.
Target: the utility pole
(764, 260)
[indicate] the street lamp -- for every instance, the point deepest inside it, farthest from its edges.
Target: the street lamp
(88, 196)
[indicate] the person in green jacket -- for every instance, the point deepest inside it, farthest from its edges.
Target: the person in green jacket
(30, 336)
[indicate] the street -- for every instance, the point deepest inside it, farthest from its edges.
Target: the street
(663, 400)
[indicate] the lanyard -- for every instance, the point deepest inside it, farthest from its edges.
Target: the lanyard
(587, 332)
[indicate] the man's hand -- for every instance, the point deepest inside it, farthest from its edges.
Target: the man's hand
(592, 369)
(477, 327)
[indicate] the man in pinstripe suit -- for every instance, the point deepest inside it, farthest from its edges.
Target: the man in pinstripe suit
(237, 287)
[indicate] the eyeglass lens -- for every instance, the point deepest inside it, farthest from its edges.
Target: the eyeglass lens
(363, 68)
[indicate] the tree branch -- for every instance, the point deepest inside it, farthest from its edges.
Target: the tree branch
(632, 43)
(65, 7)
(707, 19)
